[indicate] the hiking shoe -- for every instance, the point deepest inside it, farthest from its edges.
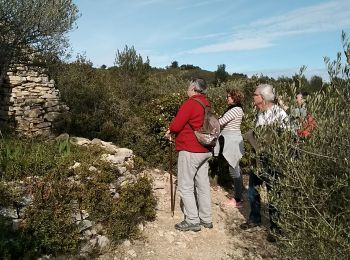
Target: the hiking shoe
(249, 225)
(206, 225)
(234, 203)
(185, 226)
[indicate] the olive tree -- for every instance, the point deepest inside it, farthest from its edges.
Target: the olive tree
(313, 191)
(30, 27)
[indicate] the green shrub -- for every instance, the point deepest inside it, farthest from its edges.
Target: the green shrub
(313, 193)
(48, 221)
(9, 194)
(135, 205)
(48, 226)
(26, 158)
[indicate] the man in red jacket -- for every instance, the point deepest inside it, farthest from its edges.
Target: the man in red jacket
(192, 174)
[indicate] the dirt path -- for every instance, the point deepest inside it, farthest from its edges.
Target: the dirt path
(224, 241)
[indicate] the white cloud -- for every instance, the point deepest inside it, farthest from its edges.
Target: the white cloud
(207, 36)
(289, 72)
(235, 45)
(198, 4)
(143, 3)
(181, 4)
(179, 30)
(329, 16)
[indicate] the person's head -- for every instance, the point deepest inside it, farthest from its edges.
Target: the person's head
(264, 96)
(299, 99)
(235, 97)
(197, 86)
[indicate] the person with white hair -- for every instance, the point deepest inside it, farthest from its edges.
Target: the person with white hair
(273, 115)
(269, 112)
(192, 164)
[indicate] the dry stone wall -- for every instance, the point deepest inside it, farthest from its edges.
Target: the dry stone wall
(29, 100)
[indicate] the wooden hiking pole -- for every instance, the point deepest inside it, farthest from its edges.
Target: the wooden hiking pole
(172, 196)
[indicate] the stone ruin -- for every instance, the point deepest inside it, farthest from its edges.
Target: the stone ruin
(29, 101)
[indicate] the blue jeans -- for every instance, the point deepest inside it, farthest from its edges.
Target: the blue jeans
(269, 177)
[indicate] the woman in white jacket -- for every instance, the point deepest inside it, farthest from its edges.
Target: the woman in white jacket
(230, 142)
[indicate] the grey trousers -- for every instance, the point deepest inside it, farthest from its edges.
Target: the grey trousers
(194, 187)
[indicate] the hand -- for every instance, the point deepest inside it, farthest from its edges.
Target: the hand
(169, 136)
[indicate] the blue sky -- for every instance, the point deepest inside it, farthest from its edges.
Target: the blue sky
(267, 37)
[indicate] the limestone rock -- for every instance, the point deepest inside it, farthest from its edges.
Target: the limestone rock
(33, 112)
(51, 116)
(113, 159)
(48, 96)
(102, 242)
(84, 225)
(80, 141)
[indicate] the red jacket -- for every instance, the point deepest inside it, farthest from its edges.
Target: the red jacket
(190, 116)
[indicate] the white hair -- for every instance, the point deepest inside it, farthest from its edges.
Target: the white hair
(200, 85)
(267, 92)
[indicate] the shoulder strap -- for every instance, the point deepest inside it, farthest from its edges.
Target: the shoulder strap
(200, 102)
(204, 107)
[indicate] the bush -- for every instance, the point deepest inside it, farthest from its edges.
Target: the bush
(136, 205)
(48, 221)
(19, 159)
(47, 225)
(313, 193)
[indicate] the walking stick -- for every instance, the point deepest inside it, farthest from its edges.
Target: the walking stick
(172, 195)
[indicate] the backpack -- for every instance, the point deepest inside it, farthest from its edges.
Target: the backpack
(210, 131)
(309, 124)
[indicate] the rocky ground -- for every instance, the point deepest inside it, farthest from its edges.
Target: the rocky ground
(225, 241)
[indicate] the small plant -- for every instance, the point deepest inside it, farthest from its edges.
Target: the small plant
(135, 205)
(64, 147)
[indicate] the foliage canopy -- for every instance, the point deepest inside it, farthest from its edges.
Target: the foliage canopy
(33, 27)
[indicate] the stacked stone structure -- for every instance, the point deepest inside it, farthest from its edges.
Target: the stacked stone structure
(29, 100)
